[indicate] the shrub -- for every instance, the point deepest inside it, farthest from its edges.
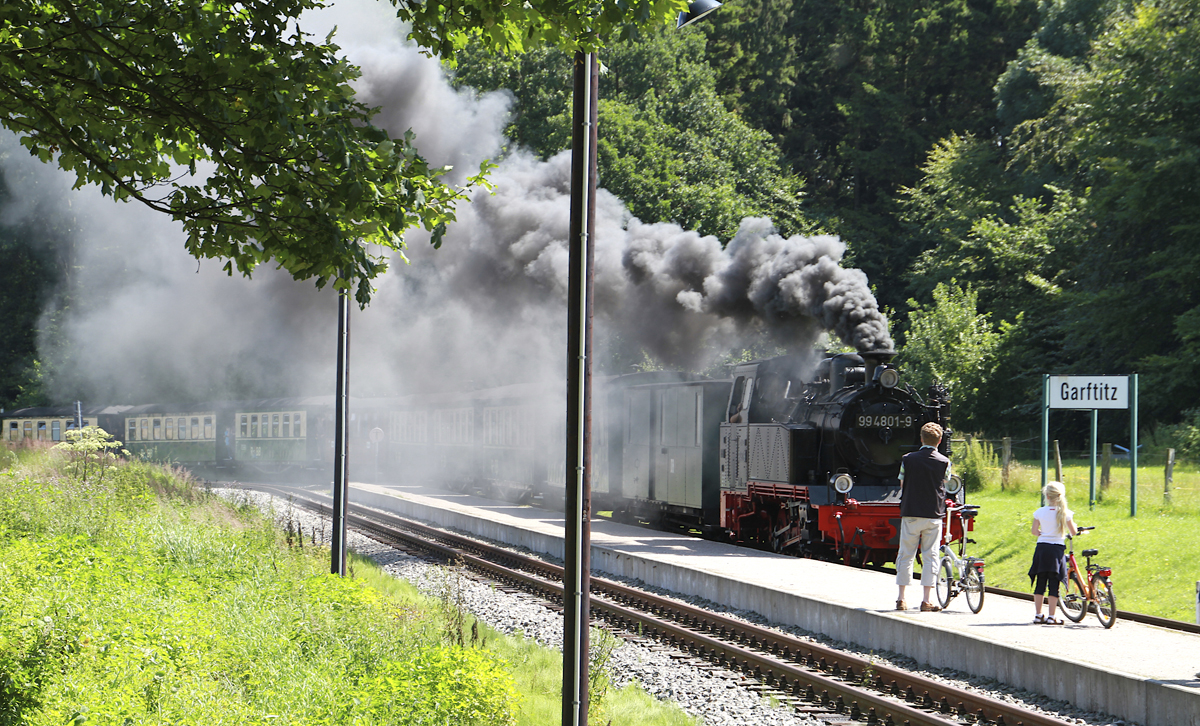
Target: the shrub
(978, 464)
(1185, 436)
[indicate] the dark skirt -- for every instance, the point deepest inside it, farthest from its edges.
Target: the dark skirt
(1049, 558)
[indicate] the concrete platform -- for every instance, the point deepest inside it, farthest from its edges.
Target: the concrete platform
(1141, 673)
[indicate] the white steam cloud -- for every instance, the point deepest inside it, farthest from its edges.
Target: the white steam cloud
(147, 322)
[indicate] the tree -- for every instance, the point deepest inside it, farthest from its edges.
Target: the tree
(668, 146)
(951, 343)
(856, 93)
(1121, 130)
(225, 116)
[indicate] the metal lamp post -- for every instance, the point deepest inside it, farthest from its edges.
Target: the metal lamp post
(578, 500)
(341, 407)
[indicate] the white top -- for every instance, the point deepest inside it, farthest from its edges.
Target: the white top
(1047, 518)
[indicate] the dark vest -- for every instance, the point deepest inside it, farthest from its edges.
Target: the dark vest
(924, 493)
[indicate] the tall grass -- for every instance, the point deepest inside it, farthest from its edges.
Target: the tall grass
(138, 597)
(135, 598)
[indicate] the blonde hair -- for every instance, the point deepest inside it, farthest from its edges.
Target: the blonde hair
(1056, 496)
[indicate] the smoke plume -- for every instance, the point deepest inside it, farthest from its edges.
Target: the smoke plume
(147, 322)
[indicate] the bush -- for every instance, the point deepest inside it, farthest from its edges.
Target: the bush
(978, 464)
(1185, 436)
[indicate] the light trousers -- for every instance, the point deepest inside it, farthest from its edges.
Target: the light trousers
(918, 533)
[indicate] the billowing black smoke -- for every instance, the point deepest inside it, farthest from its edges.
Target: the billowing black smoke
(147, 323)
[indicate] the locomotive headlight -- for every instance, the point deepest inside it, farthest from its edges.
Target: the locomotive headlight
(954, 484)
(843, 483)
(889, 377)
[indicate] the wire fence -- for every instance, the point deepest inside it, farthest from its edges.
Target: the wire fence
(1029, 451)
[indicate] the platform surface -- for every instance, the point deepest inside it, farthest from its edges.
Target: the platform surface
(1142, 673)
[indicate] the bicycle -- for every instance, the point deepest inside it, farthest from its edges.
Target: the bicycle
(957, 572)
(1093, 592)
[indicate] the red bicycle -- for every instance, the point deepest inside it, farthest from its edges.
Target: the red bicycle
(1090, 591)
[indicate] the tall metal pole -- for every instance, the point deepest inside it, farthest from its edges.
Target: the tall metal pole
(340, 459)
(1045, 432)
(578, 505)
(1092, 475)
(1133, 444)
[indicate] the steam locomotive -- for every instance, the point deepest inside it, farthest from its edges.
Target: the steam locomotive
(797, 457)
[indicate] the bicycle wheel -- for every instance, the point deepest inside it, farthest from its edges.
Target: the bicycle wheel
(1106, 602)
(945, 581)
(1072, 602)
(973, 585)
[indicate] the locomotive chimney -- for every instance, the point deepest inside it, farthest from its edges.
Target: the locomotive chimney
(876, 358)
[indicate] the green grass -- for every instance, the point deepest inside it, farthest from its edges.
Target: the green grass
(128, 595)
(1155, 556)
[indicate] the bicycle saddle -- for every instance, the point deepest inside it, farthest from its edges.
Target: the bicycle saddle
(1090, 553)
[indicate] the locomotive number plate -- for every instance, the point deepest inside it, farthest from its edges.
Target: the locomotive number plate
(867, 421)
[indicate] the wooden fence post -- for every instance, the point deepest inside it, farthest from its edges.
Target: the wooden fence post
(1168, 475)
(1057, 463)
(1005, 458)
(1105, 467)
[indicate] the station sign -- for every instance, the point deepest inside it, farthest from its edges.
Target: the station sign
(1089, 392)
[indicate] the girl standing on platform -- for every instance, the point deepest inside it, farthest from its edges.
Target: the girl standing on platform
(1051, 524)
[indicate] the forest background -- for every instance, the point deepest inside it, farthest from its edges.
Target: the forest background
(1018, 179)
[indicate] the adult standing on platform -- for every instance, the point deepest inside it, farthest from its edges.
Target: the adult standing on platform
(923, 477)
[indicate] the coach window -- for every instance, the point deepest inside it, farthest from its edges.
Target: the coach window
(254, 426)
(41, 431)
(208, 427)
(144, 429)
(14, 431)
(170, 429)
(132, 426)
(242, 428)
(56, 431)
(195, 428)
(297, 425)
(275, 426)
(287, 425)
(157, 428)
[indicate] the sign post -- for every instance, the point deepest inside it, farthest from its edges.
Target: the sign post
(1091, 393)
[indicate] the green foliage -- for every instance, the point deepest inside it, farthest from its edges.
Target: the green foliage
(668, 146)
(1184, 437)
(856, 94)
(503, 27)
(950, 343)
(223, 116)
(977, 463)
(90, 453)
(179, 612)
(1111, 90)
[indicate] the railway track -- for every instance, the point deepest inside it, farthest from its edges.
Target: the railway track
(834, 686)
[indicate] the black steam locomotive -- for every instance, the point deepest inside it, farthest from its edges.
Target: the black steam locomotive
(786, 455)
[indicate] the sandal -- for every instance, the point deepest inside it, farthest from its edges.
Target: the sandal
(1053, 621)
(1039, 619)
